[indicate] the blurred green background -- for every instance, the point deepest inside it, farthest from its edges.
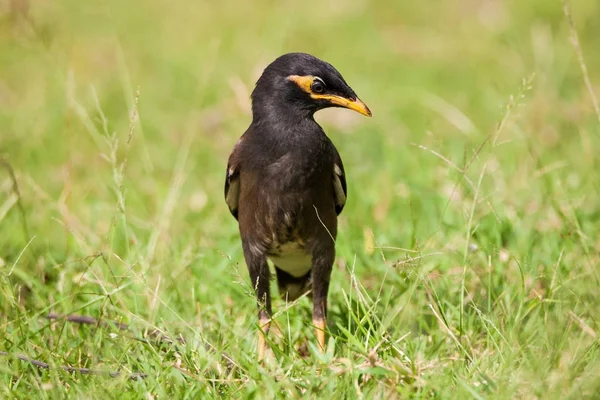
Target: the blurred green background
(468, 252)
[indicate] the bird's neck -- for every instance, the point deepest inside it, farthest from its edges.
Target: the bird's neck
(281, 117)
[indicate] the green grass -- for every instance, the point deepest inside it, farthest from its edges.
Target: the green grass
(468, 255)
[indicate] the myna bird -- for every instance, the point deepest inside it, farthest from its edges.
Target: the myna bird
(286, 186)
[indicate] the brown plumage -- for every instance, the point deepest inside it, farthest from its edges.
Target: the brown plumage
(286, 185)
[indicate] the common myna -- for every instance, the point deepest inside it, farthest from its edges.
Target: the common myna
(285, 183)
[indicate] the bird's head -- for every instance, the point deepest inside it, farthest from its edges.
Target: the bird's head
(300, 84)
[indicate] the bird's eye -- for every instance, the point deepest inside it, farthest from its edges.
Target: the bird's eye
(318, 86)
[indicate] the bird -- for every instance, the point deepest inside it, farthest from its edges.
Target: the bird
(286, 186)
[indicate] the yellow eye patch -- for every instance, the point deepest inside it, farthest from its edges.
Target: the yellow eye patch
(305, 83)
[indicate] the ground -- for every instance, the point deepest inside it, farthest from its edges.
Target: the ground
(468, 252)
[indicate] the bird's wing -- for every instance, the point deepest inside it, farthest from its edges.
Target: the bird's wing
(232, 180)
(339, 183)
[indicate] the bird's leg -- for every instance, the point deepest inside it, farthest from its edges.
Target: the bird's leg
(259, 275)
(264, 312)
(264, 323)
(321, 273)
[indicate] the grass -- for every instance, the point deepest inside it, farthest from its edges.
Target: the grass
(468, 253)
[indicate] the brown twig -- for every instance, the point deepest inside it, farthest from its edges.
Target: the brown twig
(85, 320)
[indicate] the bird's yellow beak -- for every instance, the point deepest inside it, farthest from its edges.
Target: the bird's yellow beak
(355, 105)
(305, 82)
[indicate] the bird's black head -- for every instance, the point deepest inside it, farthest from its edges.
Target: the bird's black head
(298, 85)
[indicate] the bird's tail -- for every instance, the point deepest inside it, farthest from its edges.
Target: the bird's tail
(290, 287)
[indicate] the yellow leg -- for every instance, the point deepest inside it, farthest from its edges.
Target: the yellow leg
(320, 332)
(264, 324)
